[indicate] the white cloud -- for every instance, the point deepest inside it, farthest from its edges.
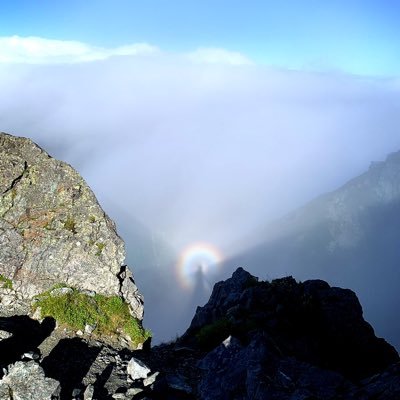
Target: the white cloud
(200, 150)
(36, 50)
(211, 55)
(194, 149)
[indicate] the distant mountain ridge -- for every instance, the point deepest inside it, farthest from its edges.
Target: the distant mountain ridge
(350, 237)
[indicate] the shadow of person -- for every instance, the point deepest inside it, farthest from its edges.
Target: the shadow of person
(68, 363)
(99, 387)
(200, 295)
(27, 335)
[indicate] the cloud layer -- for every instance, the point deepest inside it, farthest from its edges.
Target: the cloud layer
(36, 50)
(201, 146)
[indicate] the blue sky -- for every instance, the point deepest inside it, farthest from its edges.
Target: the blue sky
(359, 37)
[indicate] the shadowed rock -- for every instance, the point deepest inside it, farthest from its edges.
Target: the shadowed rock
(26, 335)
(68, 363)
(285, 335)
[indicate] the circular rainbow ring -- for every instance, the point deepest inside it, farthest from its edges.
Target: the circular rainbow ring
(195, 256)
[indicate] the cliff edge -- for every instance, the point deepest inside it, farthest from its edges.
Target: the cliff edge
(55, 239)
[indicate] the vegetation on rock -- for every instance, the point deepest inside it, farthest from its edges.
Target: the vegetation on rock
(211, 335)
(109, 315)
(51, 223)
(5, 282)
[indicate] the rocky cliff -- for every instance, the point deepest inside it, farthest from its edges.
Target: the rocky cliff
(280, 340)
(53, 233)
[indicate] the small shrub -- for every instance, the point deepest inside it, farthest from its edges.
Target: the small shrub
(100, 248)
(5, 282)
(210, 336)
(70, 225)
(250, 282)
(109, 314)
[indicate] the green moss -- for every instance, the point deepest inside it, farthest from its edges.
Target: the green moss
(100, 248)
(110, 315)
(5, 282)
(92, 219)
(49, 225)
(70, 225)
(57, 286)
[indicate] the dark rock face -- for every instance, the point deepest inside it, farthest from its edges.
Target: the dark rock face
(52, 230)
(287, 340)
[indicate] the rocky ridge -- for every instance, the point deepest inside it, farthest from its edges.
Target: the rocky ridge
(282, 339)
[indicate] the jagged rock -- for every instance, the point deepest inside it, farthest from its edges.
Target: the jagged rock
(151, 379)
(311, 321)
(383, 386)
(137, 369)
(52, 230)
(133, 391)
(272, 348)
(89, 329)
(178, 383)
(289, 341)
(30, 355)
(224, 295)
(4, 335)
(26, 381)
(235, 371)
(119, 396)
(88, 393)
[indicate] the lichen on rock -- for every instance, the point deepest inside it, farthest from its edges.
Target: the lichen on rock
(26, 380)
(52, 230)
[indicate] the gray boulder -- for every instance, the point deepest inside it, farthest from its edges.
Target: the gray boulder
(26, 381)
(53, 230)
(136, 369)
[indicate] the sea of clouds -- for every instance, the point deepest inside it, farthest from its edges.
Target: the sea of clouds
(198, 146)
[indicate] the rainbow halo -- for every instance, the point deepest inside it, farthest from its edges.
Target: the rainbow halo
(202, 257)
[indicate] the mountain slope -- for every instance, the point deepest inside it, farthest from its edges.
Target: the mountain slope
(349, 237)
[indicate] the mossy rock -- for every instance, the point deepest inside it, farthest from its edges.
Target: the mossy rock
(108, 315)
(53, 229)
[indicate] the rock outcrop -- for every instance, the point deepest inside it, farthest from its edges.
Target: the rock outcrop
(253, 340)
(287, 340)
(26, 381)
(52, 230)
(280, 340)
